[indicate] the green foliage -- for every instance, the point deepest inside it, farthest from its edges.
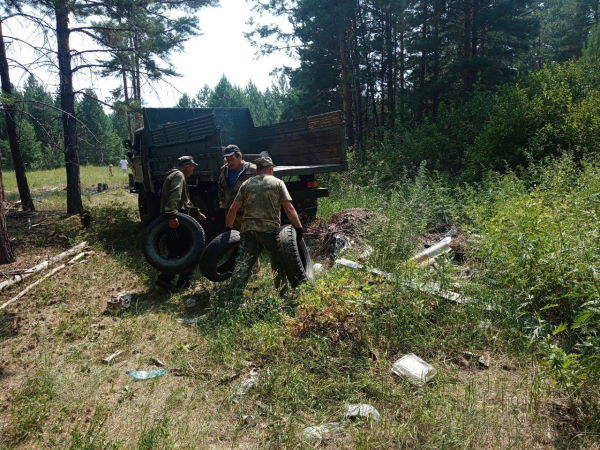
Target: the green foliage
(537, 256)
(30, 406)
(265, 107)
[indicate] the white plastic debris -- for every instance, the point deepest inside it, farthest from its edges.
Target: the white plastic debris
(317, 268)
(191, 320)
(322, 432)
(354, 265)
(368, 251)
(119, 302)
(361, 410)
(112, 357)
(414, 368)
(342, 243)
(429, 254)
(248, 383)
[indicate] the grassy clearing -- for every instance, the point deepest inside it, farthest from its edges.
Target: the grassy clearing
(334, 346)
(47, 186)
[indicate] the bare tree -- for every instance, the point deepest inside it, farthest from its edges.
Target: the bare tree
(11, 128)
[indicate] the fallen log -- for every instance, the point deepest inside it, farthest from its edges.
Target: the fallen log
(45, 277)
(43, 265)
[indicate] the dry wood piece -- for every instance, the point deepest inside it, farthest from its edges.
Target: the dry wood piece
(110, 358)
(45, 277)
(43, 265)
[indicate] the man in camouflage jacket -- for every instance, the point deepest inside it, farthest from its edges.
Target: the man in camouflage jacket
(231, 177)
(174, 198)
(262, 198)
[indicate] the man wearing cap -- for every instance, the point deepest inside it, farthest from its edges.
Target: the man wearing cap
(262, 198)
(232, 176)
(174, 197)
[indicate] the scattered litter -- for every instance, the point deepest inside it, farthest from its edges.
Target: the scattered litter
(249, 421)
(192, 320)
(110, 358)
(317, 268)
(367, 252)
(157, 362)
(178, 371)
(229, 378)
(190, 302)
(146, 374)
(435, 289)
(361, 410)
(119, 302)
(451, 232)
(414, 368)
(428, 255)
(248, 383)
(354, 265)
(342, 243)
(484, 360)
(322, 432)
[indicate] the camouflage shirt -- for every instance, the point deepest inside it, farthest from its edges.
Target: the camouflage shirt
(227, 195)
(174, 195)
(261, 197)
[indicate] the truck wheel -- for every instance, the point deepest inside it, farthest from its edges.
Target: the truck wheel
(155, 250)
(294, 256)
(218, 260)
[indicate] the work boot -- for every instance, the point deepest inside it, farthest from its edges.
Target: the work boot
(183, 283)
(164, 282)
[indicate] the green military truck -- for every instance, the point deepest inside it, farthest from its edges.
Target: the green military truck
(301, 149)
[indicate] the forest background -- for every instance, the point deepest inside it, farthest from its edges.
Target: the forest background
(484, 115)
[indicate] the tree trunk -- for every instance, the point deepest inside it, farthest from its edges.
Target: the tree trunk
(468, 78)
(391, 65)
(11, 130)
(345, 75)
(67, 103)
(7, 254)
(402, 69)
(436, 58)
(423, 63)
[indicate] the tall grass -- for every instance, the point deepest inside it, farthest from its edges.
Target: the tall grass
(48, 186)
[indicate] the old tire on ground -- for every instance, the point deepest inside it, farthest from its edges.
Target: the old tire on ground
(153, 245)
(294, 256)
(218, 260)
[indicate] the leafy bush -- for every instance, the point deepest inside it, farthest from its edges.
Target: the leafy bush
(538, 259)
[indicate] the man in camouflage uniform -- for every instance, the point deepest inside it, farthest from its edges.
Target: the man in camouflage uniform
(174, 197)
(262, 198)
(232, 176)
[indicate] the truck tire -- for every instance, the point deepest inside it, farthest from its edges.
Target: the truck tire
(153, 244)
(218, 260)
(294, 256)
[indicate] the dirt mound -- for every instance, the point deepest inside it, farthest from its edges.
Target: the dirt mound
(348, 224)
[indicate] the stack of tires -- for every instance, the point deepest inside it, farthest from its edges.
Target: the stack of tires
(216, 260)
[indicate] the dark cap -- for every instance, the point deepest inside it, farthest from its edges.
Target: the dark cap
(263, 162)
(230, 150)
(183, 161)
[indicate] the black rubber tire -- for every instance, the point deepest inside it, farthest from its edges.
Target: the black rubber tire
(294, 256)
(155, 231)
(218, 260)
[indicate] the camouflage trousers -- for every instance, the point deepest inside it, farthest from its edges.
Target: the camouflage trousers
(252, 243)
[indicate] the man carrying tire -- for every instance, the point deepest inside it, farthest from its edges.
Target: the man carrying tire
(174, 197)
(231, 177)
(262, 198)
